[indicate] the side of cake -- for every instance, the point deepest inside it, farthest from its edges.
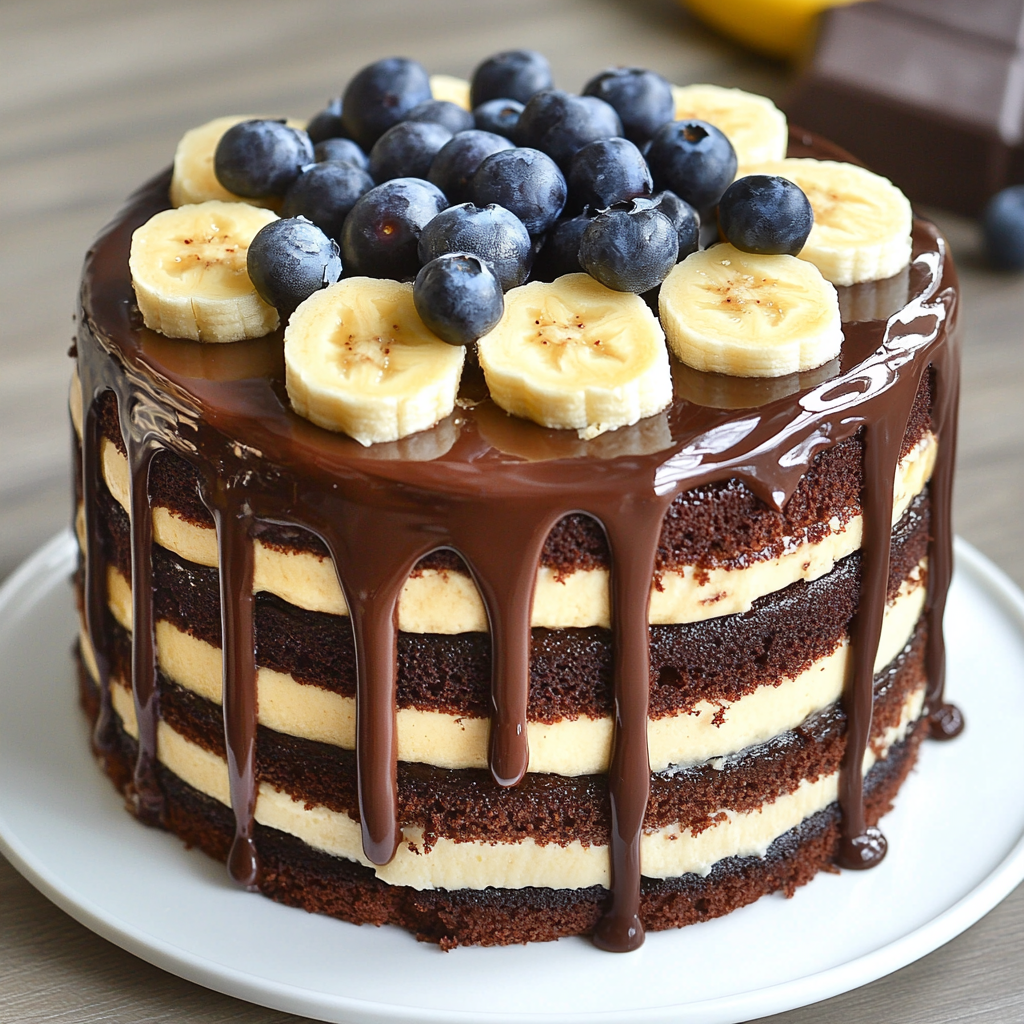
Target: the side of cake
(496, 681)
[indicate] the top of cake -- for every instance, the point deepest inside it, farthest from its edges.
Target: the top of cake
(529, 225)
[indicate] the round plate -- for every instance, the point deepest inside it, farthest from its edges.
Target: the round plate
(956, 848)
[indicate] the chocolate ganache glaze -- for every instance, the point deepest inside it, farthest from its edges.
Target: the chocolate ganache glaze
(490, 488)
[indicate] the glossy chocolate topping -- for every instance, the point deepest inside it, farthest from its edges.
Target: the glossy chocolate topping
(490, 488)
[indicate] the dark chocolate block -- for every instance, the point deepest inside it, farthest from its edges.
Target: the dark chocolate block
(929, 93)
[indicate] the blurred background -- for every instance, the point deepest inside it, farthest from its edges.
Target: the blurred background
(94, 95)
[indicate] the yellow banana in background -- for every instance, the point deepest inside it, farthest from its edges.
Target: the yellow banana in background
(778, 28)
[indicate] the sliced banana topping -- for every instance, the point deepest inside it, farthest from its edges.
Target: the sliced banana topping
(448, 87)
(727, 311)
(188, 271)
(193, 179)
(753, 124)
(575, 354)
(358, 359)
(862, 221)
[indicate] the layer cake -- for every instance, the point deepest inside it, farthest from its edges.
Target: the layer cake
(495, 683)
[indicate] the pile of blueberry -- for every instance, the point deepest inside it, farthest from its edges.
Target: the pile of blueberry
(533, 184)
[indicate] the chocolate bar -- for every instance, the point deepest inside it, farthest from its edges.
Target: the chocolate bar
(929, 93)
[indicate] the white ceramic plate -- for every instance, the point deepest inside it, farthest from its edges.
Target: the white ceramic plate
(956, 848)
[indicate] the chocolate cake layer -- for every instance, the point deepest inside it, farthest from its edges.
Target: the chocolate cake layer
(721, 523)
(467, 804)
(570, 669)
(295, 874)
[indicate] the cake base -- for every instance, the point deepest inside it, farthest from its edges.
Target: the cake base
(300, 876)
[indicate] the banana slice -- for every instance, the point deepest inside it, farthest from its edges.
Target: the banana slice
(448, 87)
(727, 311)
(862, 221)
(188, 271)
(358, 359)
(575, 354)
(193, 179)
(753, 124)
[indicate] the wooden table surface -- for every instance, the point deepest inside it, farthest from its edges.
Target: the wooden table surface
(93, 97)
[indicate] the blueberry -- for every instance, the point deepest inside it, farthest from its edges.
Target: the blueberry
(1002, 226)
(492, 233)
(685, 219)
(442, 112)
(381, 95)
(457, 160)
(525, 181)
(407, 150)
(458, 297)
(694, 160)
(340, 149)
(587, 120)
(642, 99)
(630, 249)
(381, 232)
(327, 124)
(289, 259)
(257, 159)
(512, 75)
(542, 113)
(498, 116)
(559, 124)
(607, 172)
(763, 213)
(324, 193)
(560, 253)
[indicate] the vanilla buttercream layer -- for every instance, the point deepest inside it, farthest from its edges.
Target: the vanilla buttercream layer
(444, 601)
(580, 746)
(449, 864)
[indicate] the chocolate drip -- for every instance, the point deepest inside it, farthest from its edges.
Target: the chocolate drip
(490, 488)
(233, 521)
(946, 719)
(507, 593)
(860, 846)
(144, 795)
(95, 583)
(356, 535)
(633, 529)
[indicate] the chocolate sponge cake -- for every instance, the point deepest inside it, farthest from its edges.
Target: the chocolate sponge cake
(496, 681)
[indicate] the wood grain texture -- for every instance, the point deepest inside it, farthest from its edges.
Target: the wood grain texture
(93, 97)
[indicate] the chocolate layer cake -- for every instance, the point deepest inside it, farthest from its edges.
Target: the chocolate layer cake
(494, 683)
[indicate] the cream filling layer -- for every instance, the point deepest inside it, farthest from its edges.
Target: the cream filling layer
(439, 601)
(449, 864)
(580, 746)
